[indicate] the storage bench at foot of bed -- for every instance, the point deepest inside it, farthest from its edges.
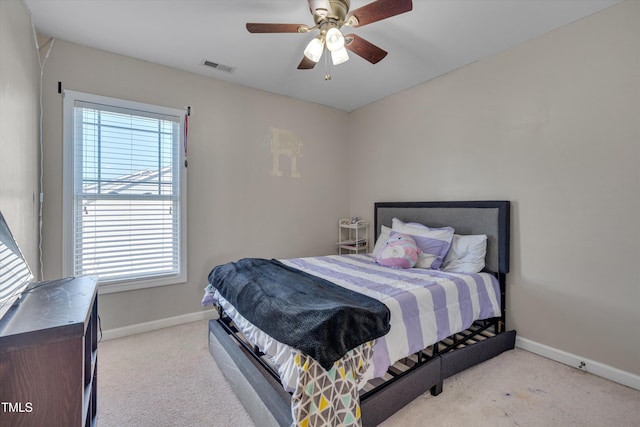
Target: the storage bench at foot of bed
(269, 405)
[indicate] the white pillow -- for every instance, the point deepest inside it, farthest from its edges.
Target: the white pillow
(467, 254)
(434, 242)
(385, 233)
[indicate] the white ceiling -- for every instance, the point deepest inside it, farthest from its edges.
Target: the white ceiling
(437, 36)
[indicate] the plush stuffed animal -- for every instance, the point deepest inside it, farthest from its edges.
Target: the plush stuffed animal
(399, 251)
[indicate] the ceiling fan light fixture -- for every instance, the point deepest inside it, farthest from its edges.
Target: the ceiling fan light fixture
(329, 16)
(339, 56)
(314, 49)
(334, 39)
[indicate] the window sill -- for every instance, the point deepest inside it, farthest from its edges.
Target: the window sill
(131, 285)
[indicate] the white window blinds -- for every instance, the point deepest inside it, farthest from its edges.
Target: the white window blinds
(126, 192)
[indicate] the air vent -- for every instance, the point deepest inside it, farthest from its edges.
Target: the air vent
(221, 67)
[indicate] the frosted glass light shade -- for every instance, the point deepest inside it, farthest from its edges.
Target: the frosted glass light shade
(335, 39)
(314, 49)
(339, 56)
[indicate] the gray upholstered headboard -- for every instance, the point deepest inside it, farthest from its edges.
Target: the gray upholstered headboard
(474, 217)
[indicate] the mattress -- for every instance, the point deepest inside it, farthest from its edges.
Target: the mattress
(426, 306)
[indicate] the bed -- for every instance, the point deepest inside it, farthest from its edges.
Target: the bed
(268, 375)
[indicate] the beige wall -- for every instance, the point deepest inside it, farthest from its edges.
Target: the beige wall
(236, 208)
(554, 126)
(19, 112)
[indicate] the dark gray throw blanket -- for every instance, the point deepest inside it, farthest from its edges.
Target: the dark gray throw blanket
(308, 313)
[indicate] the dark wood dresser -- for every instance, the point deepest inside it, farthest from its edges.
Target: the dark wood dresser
(49, 355)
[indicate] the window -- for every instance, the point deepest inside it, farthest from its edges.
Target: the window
(125, 198)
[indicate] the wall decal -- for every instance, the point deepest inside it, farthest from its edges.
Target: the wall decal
(284, 143)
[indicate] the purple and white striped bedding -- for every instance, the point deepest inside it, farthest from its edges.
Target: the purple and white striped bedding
(426, 306)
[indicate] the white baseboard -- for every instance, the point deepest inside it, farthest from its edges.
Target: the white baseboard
(596, 368)
(157, 324)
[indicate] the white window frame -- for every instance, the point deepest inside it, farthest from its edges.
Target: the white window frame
(70, 98)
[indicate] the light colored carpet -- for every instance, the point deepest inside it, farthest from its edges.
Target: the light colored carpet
(164, 378)
(168, 378)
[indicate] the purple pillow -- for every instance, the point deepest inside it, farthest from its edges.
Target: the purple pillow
(433, 242)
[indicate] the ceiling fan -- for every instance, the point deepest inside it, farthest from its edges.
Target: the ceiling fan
(329, 17)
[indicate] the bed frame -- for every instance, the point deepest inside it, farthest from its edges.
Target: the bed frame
(256, 383)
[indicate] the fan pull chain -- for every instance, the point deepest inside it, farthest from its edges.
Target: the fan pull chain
(327, 66)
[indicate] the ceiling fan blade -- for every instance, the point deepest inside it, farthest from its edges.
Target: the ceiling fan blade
(306, 64)
(253, 27)
(364, 48)
(377, 10)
